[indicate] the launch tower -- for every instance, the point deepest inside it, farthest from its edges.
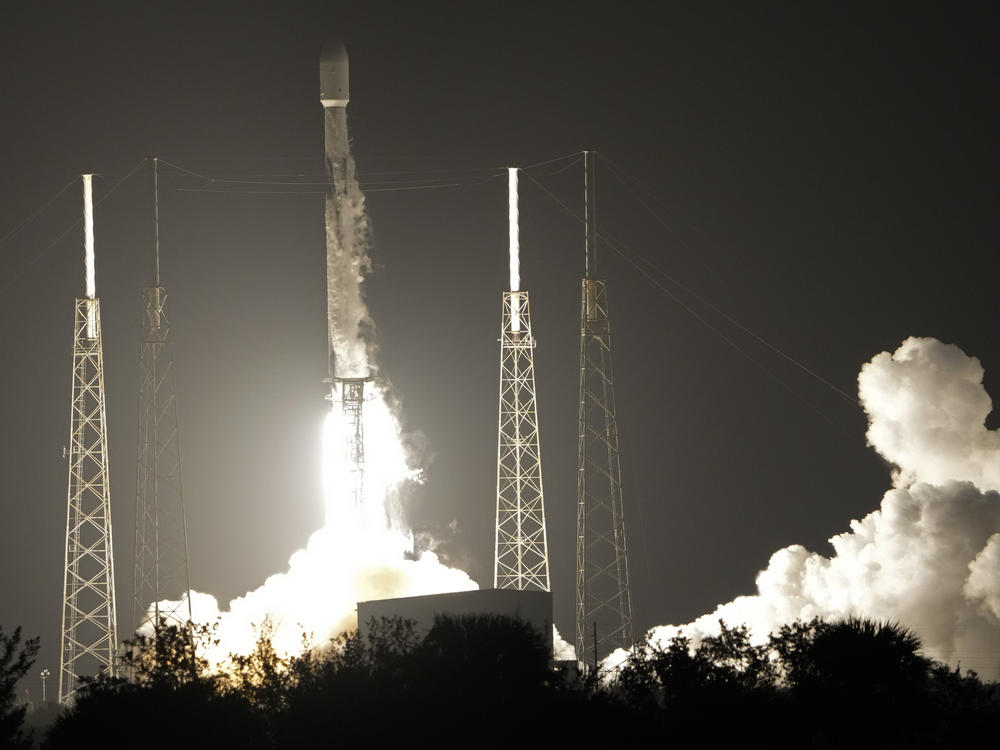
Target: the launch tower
(603, 600)
(521, 560)
(89, 637)
(351, 394)
(161, 589)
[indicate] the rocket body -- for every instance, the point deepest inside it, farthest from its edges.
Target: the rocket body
(347, 228)
(334, 89)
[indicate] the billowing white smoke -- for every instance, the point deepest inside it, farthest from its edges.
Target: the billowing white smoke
(929, 558)
(364, 551)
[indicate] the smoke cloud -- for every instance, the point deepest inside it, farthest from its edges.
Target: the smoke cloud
(929, 557)
(348, 237)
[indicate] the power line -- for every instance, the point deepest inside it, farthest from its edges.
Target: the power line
(620, 248)
(19, 272)
(37, 212)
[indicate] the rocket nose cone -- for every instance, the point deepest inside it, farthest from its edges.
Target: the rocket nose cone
(334, 52)
(333, 75)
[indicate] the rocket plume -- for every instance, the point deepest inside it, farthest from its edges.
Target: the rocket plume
(515, 248)
(929, 557)
(364, 551)
(348, 237)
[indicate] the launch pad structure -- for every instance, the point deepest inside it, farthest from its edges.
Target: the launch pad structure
(89, 636)
(603, 595)
(351, 394)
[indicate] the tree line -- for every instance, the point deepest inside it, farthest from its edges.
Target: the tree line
(484, 679)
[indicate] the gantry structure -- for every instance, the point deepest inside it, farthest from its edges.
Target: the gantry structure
(603, 598)
(351, 394)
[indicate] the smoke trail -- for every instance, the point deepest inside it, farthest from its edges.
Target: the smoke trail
(515, 249)
(929, 557)
(348, 235)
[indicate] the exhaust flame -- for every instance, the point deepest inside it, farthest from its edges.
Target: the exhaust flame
(515, 249)
(361, 553)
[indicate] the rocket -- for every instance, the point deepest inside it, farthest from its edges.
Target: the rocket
(333, 75)
(347, 231)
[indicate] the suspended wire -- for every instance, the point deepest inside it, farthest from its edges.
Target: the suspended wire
(252, 192)
(375, 186)
(425, 175)
(620, 248)
(552, 161)
(560, 170)
(19, 272)
(37, 212)
(622, 176)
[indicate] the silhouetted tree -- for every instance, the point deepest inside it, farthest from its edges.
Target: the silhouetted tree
(855, 680)
(355, 689)
(168, 701)
(720, 688)
(15, 661)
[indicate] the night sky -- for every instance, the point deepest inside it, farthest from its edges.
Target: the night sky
(824, 174)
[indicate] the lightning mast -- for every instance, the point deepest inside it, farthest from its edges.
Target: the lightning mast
(160, 586)
(603, 599)
(521, 560)
(89, 637)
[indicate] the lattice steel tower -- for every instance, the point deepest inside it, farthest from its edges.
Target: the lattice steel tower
(603, 600)
(521, 560)
(351, 394)
(89, 639)
(161, 556)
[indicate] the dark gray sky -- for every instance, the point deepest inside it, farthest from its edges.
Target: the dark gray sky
(826, 175)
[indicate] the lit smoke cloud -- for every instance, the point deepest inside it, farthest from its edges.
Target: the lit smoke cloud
(929, 557)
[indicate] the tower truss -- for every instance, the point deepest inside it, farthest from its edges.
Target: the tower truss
(161, 591)
(89, 636)
(603, 597)
(351, 394)
(521, 560)
(161, 586)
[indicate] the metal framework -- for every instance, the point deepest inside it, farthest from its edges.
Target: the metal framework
(89, 635)
(350, 393)
(603, 599)
(161, 586)
(521, 560)
(161, 590)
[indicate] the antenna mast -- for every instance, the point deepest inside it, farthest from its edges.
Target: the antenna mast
(161, 591)
(603, 598)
